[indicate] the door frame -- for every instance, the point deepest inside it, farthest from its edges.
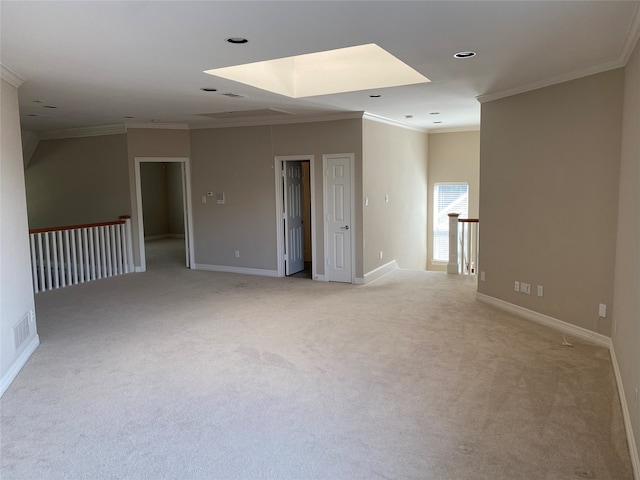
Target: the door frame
(352, 202)
(278, 165)
(186, 205)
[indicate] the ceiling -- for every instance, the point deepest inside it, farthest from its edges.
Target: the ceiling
(100, 63)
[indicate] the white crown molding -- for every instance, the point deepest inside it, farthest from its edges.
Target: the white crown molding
(278, 121)
(631, 39)
(395, 123)
(82, 132)
(547, 82)
(10, 76)
(161, 126)
(472, 128)
(633, 35)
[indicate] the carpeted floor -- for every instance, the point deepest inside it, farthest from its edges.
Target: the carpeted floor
(179, 374)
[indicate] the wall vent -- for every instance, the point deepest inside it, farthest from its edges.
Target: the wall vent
(21, 330)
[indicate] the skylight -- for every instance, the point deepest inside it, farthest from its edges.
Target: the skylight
(349, 69)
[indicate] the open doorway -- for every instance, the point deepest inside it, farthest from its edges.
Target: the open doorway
(164, 212)
(295, 228)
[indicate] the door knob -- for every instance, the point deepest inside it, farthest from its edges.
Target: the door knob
(346, 227)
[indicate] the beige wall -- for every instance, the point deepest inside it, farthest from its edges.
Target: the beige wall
(626, 314)
(240, 162)
(162, 199)
(16, 289)
(395, 164)
(175, 198)
(151, 142)
(453, 157)
(549, 169)
(153, 180)
(78, 180)
(320, 138)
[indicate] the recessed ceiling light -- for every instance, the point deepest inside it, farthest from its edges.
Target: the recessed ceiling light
(375, 96)
(467, 54)
(237, 40)
(434, 113)
(408, 116)
(207, 89)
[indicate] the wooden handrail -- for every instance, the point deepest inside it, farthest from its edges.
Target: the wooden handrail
(73, 227)
(469, 220)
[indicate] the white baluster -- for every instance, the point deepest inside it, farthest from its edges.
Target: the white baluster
(114, 258)
(34, 263)
(100, 242)
(129, 238)
(61, 274)
(86, 277)
(48, 254)
(70, 263)
(118, 230)
(92, 252)
(74, 254)
(43, 285)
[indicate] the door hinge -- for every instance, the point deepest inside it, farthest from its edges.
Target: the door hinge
(286, 257)
(282, 172)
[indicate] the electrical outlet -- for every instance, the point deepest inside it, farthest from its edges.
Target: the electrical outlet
(482, 276)
(380, 254)
(517, 286)
(237, 253)
(602, 310)
(540, 291)
(525, 288)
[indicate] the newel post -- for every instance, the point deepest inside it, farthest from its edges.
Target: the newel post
(452, 266)
(129, 243)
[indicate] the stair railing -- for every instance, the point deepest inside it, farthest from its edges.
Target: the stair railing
(63, 256)
(463, 245)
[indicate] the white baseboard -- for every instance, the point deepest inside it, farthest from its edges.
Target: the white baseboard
(20, 362)
(139, 269)
(380, 272)
(151, 238)
(579, 332)
(631, 439)
(588, 336)
(241, 270)
(319, 278)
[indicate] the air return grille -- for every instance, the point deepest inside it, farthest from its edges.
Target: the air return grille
(21, 331)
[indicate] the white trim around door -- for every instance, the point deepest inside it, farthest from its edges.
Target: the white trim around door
(188, 216)
(279, 164)
(325, 214)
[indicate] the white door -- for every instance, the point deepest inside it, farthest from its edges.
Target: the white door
(338, 217)
(294, 254)
(187, 246)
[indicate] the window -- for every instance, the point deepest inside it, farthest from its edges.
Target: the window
(447, 198)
